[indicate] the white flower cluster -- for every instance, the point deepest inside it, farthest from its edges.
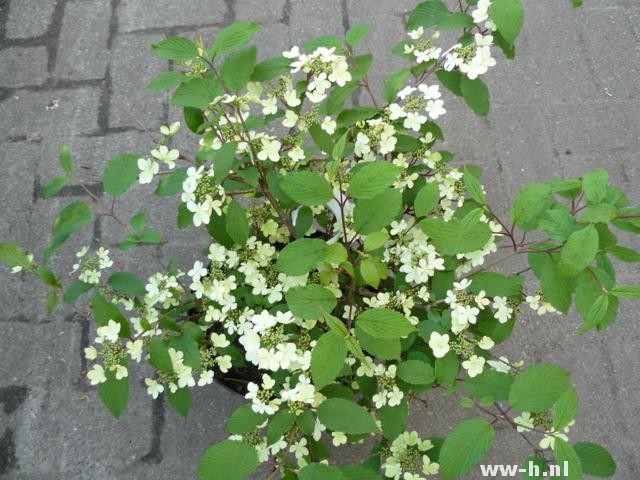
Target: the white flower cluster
(150, 166)
(90, 267)
(408, 458)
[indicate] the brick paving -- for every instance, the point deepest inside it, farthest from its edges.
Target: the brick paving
(74, 71)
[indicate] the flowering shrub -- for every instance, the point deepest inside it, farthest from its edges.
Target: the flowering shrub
(347, 273)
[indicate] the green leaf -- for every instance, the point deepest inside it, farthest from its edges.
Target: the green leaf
(559, 224)
(579, 251)
(372, 179)
(473, 186)
(359, 472)
(104, 310)
(595, 459)
(508, 16)
(496, 284)
(310, 302)
(455, 21)
(223, 160)
(194, 118)
(394, 84)
(464, 447)
(48, 277)
(595, 184)
(74, 290)
(234, 36)
(180, 400)
(320, 471)
(114, 394)
(556, 288)
(386, 349)
(476, 94)
(245, 420)
(375, 240)
(270, 69)
(323, 139)
(301, 256)
(327, 358)
(13, 255)
(529, 205)
(176, 48)
(279, 425)
(228, 460)
(427, 199)
(576, 3)
(542, 465)
(458, 235)
(197, 92)
(357, 33)
(354, 115)
(451, 80)
(159, 356)
(597, 313)
(307, 188)
(369, 272)
(165, 80)
(393, 420)
(237, 68)
(565, 409)
(65, 159)
(328, 41)
(447, 368)
(563, 452)
(489, 383)
(626, 291)
(416, 372)
(237, 223)
(171, 183)
(72, 218)
(384, 324)
(371, 215)
(127, 283)
(538, 387)
(54, 187)
(120, 173)
(427, 14)
(340, 415)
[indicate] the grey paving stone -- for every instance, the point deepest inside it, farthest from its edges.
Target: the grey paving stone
(309, 19)
(133, 66)
(51, 115)
(82, 49)
(153, 14)
(15, 59)
(30, 18)
(257, 11)
(603, 54)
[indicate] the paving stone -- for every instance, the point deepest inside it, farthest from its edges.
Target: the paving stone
(14, 59)
(153, 14)
(82, 49)
(604, 54)
(30, 18)
(257, 11)
(309, 19)
(50, 115)
(133, 66)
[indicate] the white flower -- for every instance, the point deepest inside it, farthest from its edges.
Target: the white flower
(121, 372)
(96, 375)
(108, 332)
(430, 92)
(148, 168)
(90, 353)
(134, 349)
(201, 212)
(165, 155)
(474, 366)
(396, 112)
(501, 365)
(329, 125)
(525, 422)
(503, 310)
(153, 387)
(296, 154)
(170, 130)
(270, 106)
(405, 92)
(290, 97)
(219, 340)
(293, 53)
(439, 344)
(103, 258)
(435, 109)
(206, 378)
(290, 119)
(481, 300)
(417, 33)
(338, 438)
(486, 343)
(414, 121)
(270, 150)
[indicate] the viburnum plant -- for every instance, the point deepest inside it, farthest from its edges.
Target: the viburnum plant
(347, 274)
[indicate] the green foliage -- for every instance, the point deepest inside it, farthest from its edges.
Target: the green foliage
(228, 459)
(301, 256)
(530, 205)
(372, 179)
(564, 452)
(13, 256)
(311, 302)
(127, 283)
(394, 420)
(371, 215)
(458, 236)
(340, 415)
(120, 173)
(307, 188)
(114, 394)
(176, 48)
(234, 36)
(464, 447)
(476, 94)
(579, 251)
(72, 218)
(595, 460)
(416, 372)
(538, 387)
(357, 33)
(384, 324)
(196, 92)
(244, 420)
(327, 358)
(237, 68)
(508, 16)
